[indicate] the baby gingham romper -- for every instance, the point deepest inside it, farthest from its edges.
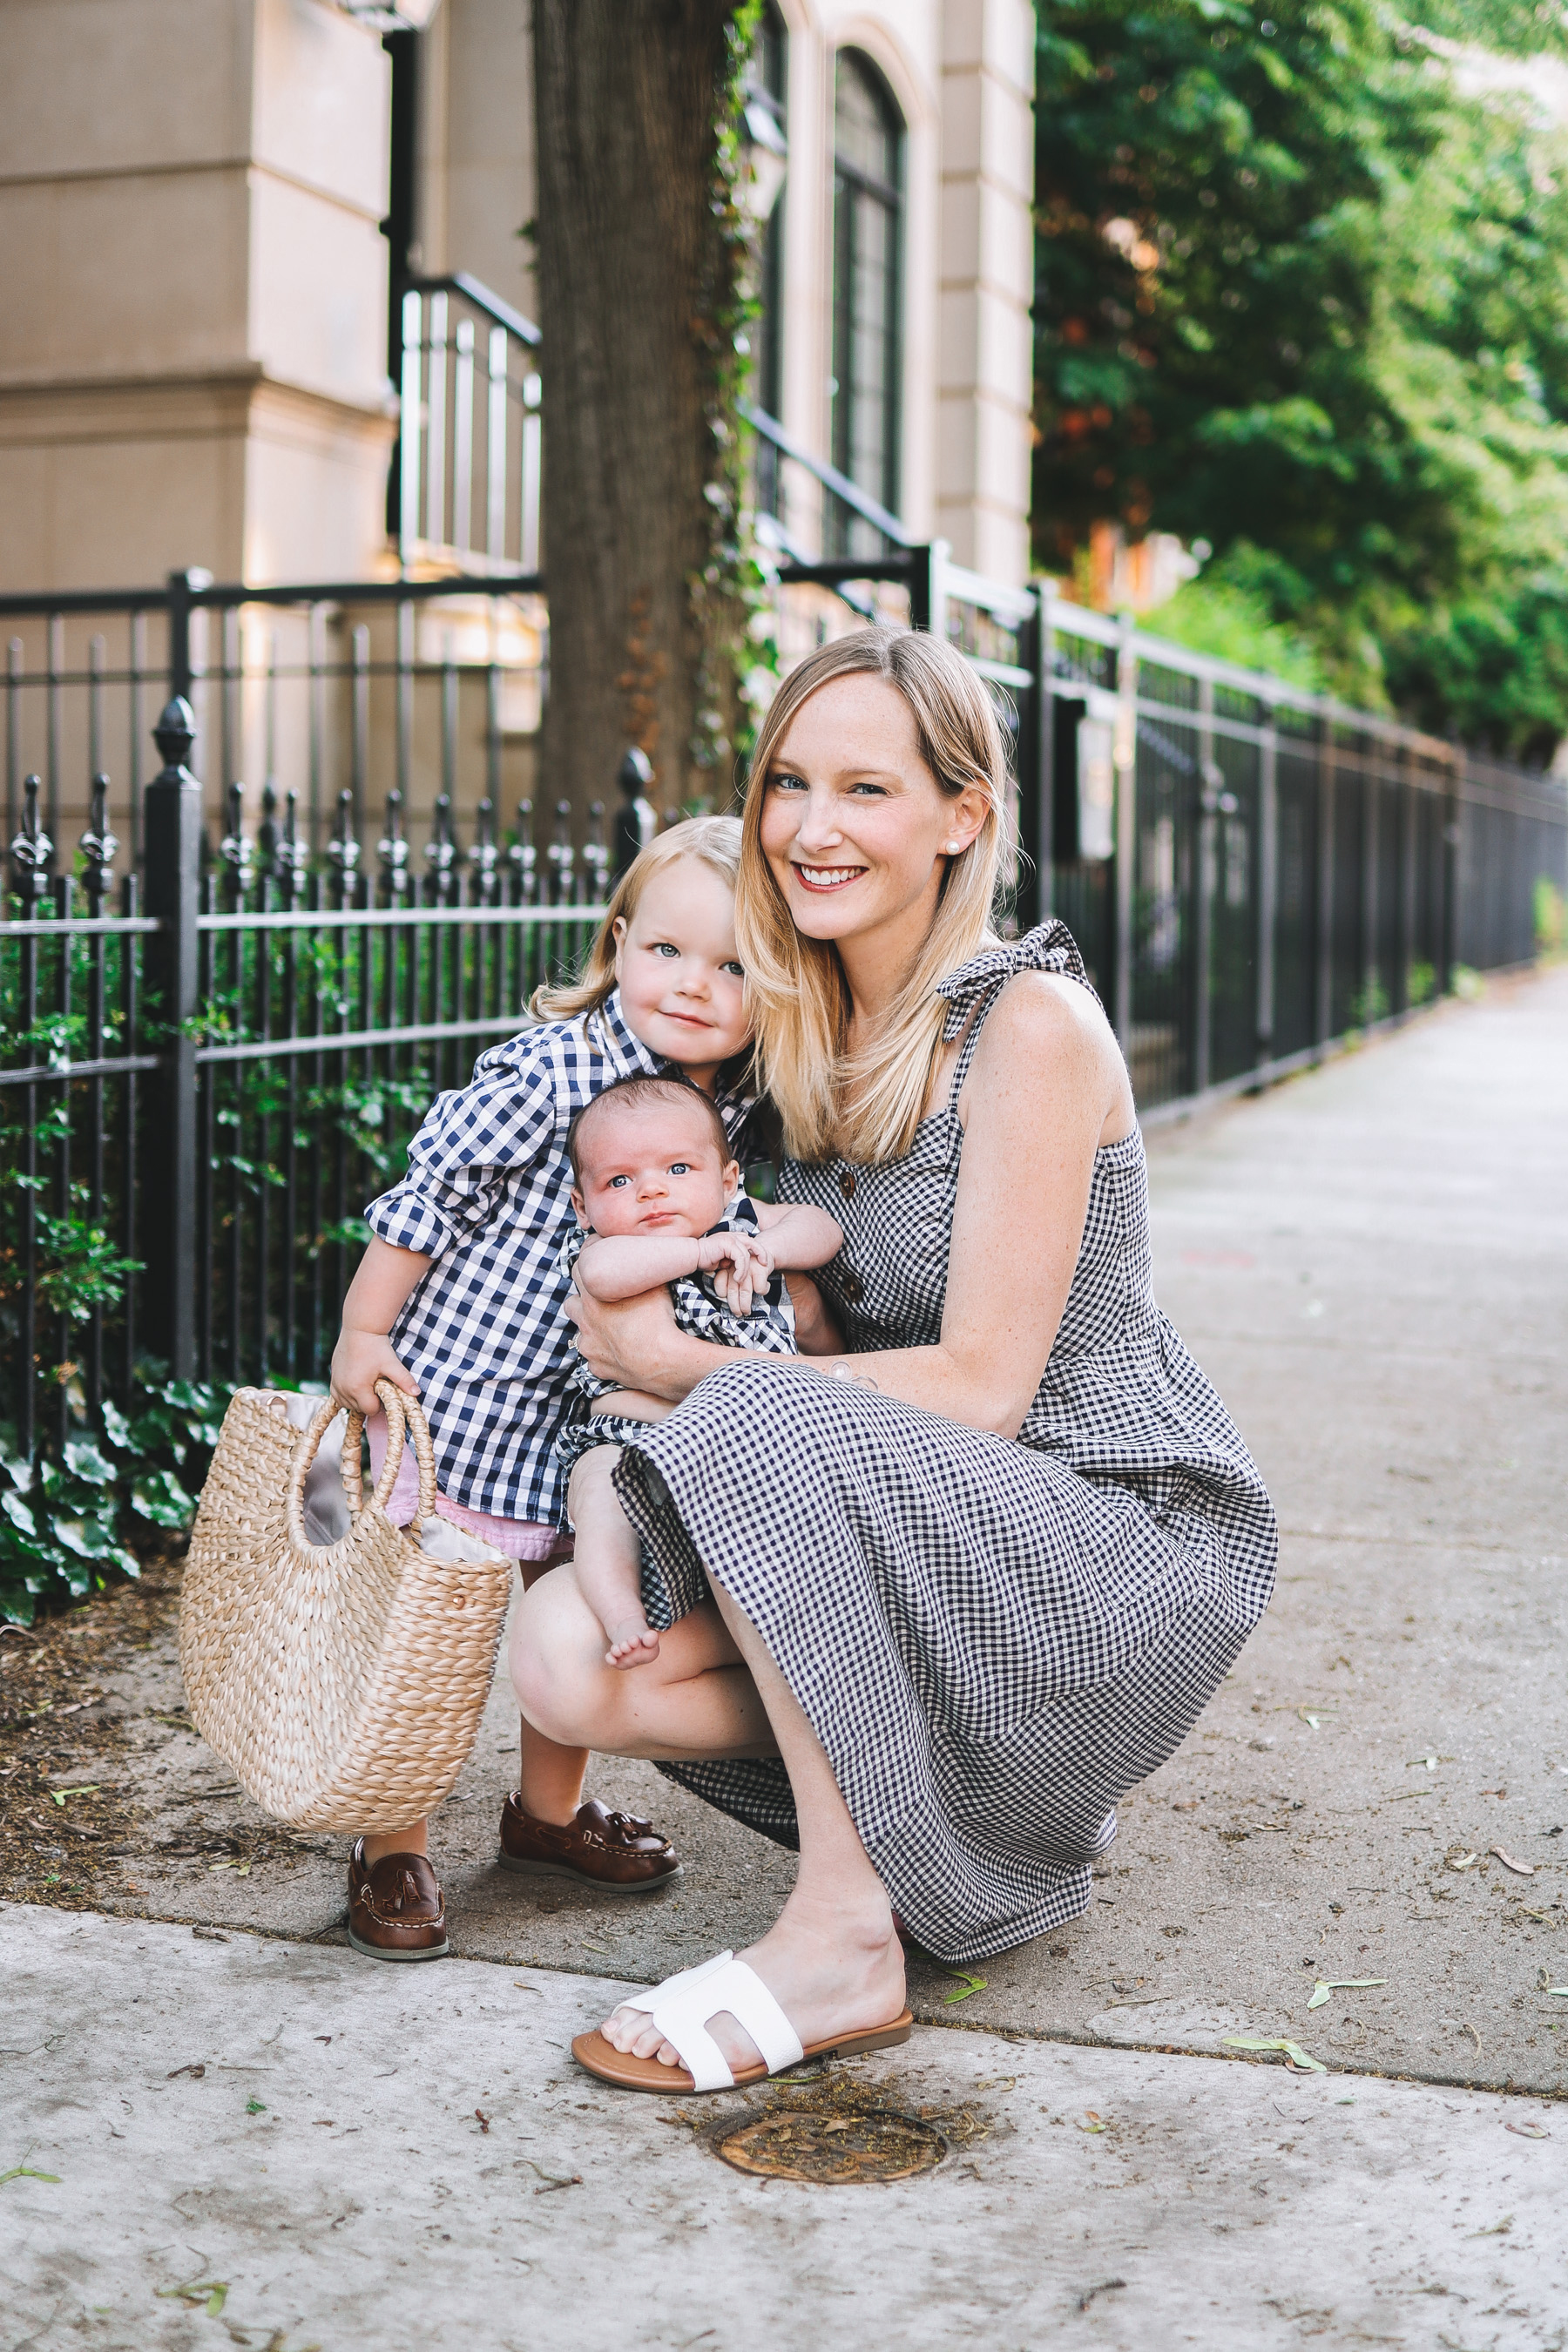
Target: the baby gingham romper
(994, 1639)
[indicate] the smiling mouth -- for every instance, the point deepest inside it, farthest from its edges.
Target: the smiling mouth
(827, 877)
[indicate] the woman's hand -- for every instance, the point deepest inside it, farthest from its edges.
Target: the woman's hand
(634, 1342)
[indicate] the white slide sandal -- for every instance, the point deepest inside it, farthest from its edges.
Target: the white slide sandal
(682, 2007)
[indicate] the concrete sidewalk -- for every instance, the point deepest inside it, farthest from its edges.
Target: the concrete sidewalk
(340, 2156)
(1373, 1264)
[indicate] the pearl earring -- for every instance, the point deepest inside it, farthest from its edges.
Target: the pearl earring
(950, 848)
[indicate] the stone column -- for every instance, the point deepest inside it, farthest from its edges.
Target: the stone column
(985, 359)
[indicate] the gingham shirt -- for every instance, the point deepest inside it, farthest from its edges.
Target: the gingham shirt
(488, 1197)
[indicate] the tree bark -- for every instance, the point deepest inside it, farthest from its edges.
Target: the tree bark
(626, 93)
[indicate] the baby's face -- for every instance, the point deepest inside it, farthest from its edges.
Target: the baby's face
(653, 1168)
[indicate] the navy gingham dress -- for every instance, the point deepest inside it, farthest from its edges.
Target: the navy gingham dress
(994, 1639)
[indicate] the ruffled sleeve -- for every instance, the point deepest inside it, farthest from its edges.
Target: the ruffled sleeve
(1049, 948)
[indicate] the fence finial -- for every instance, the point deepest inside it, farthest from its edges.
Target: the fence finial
(98, 844)
(521, 855)
(344, 847)
(392, 848)
(636, 821)
(32, 848)
(175, 735)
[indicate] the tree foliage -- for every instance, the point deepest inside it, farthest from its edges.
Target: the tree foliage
(1302, 292)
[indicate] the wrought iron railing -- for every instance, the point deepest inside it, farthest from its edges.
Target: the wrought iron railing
(465, 494)
(207, 1066)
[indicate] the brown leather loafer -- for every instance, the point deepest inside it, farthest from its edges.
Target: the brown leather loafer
(614, 1851)
(395, 1911)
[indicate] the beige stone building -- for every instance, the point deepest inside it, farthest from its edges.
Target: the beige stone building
(201, 204)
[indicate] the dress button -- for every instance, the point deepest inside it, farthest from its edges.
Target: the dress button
(852, 1289)
(846, 1184)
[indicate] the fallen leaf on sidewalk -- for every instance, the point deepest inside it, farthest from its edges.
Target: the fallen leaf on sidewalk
(1106, 2286)
(195, 2073)
(527, 1988)
(27, 2173)
(89, 1788)
(1429, 1761)
(1294, 2056)
(255, 2107)
(482, 2120)
(1461, 1858)
(1529, 2131)
(1312, 1716)
(1522, 1869)
(969, 1984)
(1326, 1985)
(213, 2292)
(1093, 2122)
(553, 2179)
(1560, 1992)
(1498, 2228)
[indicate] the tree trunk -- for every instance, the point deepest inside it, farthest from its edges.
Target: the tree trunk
(628, 241)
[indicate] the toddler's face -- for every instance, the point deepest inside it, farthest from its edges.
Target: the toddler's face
(675, 964)
(652, 1168)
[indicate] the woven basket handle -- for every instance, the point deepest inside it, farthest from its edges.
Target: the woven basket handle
(401, 1412)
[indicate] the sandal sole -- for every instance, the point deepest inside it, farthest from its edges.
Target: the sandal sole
(601, 2058)
(585, 1878)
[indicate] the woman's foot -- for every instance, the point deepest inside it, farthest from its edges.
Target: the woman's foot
(829, 1977)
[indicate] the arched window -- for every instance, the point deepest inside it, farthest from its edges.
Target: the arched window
(868, 208)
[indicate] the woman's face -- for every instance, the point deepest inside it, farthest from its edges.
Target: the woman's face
(855, 827)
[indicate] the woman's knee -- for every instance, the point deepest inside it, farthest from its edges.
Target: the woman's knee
(556, 1659)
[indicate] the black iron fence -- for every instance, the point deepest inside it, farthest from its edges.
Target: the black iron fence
(209, 1063)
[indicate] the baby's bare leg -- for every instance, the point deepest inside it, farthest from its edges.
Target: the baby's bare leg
(609, 1559)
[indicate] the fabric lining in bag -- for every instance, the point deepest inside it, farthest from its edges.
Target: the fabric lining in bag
(338, 1663)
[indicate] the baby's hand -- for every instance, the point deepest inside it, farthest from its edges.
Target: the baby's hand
(741, 1266)
(634, 1643)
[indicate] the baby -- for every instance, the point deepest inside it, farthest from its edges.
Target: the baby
(658, 1202)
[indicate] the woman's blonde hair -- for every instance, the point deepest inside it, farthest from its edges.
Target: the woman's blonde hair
(716, 840)
(867, 1104)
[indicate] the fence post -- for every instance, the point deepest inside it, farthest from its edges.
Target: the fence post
(1324, 928)
(1043, 753)
(173, 834)
(1210, 781)
(1448, 918)
(1124, 754)
(1267, 877)
(636, 821)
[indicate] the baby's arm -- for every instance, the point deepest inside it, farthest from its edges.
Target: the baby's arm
(796, 1236)
(625, 1265)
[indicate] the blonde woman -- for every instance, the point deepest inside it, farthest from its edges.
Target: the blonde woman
(461, 1300)
(938, 1600)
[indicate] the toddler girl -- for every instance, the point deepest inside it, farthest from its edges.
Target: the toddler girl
(657, 1199)
(459, 1301)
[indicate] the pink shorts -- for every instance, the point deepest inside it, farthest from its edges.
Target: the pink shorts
(518, 1538)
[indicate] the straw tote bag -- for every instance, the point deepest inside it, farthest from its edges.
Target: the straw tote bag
(344, 1680)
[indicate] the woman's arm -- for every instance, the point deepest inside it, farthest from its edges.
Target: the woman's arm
(1047, 1078)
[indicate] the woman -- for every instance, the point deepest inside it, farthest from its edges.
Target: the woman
(938, 1602)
